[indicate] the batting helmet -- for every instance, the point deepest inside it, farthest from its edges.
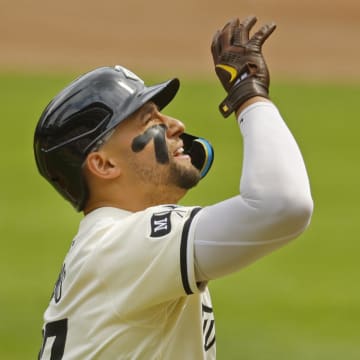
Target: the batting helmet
(84, 112)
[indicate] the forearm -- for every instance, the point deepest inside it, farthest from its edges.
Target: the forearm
(274, 204)
(249, 102)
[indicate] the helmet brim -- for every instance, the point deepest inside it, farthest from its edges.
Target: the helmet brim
(161, 94)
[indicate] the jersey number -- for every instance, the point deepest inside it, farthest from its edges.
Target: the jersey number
(57, 330)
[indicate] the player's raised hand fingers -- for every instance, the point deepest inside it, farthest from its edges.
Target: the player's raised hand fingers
(227, 33)
(260, 36)
(241, 32)
(215, 46)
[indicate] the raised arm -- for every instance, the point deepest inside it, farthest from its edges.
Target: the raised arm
(275, 204)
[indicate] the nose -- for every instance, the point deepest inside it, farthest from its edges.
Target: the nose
(174, 127)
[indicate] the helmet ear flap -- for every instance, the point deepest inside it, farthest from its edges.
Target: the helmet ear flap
(201, 152)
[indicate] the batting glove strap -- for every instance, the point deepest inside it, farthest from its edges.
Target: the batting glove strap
(242, 90)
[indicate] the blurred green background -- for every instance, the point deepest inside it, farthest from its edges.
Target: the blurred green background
(300, 303)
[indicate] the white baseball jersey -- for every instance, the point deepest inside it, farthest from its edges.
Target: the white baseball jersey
(127, 290)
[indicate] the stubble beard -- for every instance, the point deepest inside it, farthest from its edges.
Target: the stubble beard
(168, 175)
(184, 177)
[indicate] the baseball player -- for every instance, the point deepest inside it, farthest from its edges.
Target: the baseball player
(134, 282)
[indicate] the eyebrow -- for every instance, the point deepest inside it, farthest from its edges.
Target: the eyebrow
(147, 108)
(151, 106)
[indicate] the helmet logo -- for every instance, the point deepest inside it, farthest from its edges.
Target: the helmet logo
(128, 74)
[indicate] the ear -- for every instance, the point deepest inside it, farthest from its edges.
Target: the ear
(101, 166)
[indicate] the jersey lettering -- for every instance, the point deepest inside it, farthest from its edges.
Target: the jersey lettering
(54, 337)
(58, 286)
(208, 327)
(160, 224)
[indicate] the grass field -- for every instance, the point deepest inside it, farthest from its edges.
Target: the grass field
(300, 303)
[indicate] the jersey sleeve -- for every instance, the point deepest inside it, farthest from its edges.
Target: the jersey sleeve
(274, 204)
(148, 257)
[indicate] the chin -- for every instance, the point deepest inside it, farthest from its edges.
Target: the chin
(186, 177)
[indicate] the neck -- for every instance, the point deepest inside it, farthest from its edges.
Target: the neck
(135, 203)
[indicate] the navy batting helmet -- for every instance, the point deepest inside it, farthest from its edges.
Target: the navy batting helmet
(84, 112)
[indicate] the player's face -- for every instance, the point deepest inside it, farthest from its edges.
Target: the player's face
(150, 150)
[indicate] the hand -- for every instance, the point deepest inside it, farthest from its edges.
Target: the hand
(239, 63)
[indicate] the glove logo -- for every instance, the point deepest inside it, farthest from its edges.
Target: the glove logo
(230, 70)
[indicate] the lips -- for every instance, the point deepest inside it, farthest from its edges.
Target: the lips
(179, 151)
